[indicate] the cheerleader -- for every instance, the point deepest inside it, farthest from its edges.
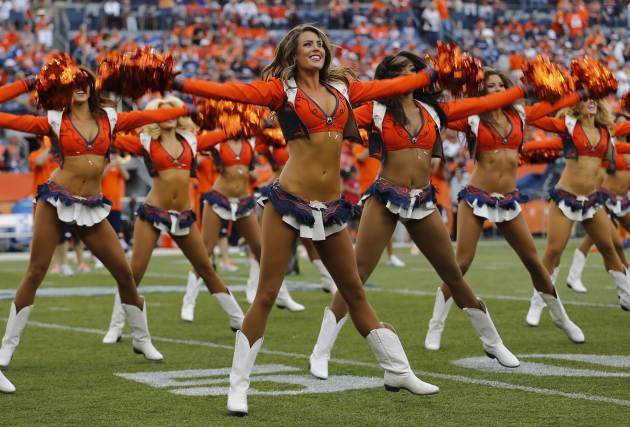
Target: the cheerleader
(587, 132)
(81, 137)
(616, 187)
(405, 134)
(169, 151)
(313, 103)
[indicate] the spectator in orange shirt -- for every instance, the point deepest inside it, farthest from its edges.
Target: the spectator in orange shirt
(113, 185)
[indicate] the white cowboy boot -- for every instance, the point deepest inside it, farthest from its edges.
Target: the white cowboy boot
(5, 385)
(623, 289)
(242, 365)
(492, 343)
(116, 324)
(561, 319)
(252, 280)
(328, 284)
(574, 279)
(231, 308)
(190, 297)
(436, 324)
(392, 358)
(140, 332)
(15, 326)
(318, 361)
(537, 304)
(284, 300)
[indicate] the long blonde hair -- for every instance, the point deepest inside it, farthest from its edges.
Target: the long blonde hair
(284, 65)
(604, 116)
(184, 123)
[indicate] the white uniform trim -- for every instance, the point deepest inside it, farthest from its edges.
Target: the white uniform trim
(190, 138)
(379, 110)
(290, 88)
(56, 116)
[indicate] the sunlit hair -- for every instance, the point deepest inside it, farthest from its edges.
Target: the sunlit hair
(184, 123)
(284, 64)
(391, 66)
(603, 117)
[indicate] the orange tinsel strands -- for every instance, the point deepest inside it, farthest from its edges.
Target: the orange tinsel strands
(545, 151)
(458, 72)
(625, 102)
(549, 81)
(595, 77)
(364, 136)
(273, 136)
(56, 81)
(234, 118)
(135, 73)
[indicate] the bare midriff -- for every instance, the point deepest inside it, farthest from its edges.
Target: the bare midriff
(619, 183)
(81, 175)
(409, 167)
(170, 190)
(233, 181)
(496, 171)
(312, 171)
(581, 176)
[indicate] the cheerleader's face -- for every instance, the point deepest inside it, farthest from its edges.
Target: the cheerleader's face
(590, 106)
(310, 54)
(404, 65)
(81, 96)
(494, 84)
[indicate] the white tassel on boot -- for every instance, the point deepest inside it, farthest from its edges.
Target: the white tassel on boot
(537, 304)
(242, 365)
(436, 324)
(252, 280)
(140, 332)
(623, 289)
(231, 308)
(492, 343)
(561, 319)
(574, 279)
(318, 361)
(328, 284)
(284, 300)
(193, 285)
(15, 326)
(5, 385)
(116, 324)
(392, 358)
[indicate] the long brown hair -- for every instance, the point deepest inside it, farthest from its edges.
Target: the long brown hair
(284, 64)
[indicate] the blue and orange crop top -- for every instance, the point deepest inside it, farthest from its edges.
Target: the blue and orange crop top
(68, 141)
(298, 115)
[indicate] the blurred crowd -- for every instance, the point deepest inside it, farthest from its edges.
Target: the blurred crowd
(222, 40)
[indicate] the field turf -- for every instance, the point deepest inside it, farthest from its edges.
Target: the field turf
(64, 375)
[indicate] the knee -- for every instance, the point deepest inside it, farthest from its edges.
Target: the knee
(464, 263)
(125, 277)
(553, 253)
(266, 298)
(608, 251)
(35, 274)
(353, 296)
(364, 272)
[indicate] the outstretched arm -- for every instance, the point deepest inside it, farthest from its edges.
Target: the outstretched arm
(542, 109)
(376, 89)
(135, 119)
(37, 125)
(267, 93)
(462, 108)
(551, 124)
(128, 143)
(621, 129)
(207, 140)
(363, 115)
(15, 89)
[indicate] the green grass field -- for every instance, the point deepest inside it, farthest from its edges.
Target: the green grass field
(64, 375)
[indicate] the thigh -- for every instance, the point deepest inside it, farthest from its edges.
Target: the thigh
(431, 237)
(518, 236)
(558, 229)
(625, 222)
(193, 249)
(102, 241)
(145, 237)
(375, 232)
(277, 248)
(338, 257)
(310, 249)
(47, 232)
(249, 229)
(600, 229)
(469, 228)
(211, 227)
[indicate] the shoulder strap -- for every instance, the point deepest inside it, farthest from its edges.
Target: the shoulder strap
(145, 140)
(54, 120)
(571, 123)
(378, 114)
(473, 122)
(521, 114)
(434, 115)
(112, 117)
(290, 89)
(191, 139)
(342, 88)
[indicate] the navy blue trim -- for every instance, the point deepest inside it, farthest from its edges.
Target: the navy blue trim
(53, 191)
(398, 195)
(595, 199)
(509, 200)
(154, 214)
(245, 204)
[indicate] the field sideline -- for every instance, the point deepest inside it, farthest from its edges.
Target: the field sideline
(64, 375)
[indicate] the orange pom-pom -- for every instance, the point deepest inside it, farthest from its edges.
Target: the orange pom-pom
(548, 80)
(135, 73)
(625, 102)
(56, 81)
(273, 136)
(594, 76)
(234, 118)
(364, 136)
(458, 72)
(545, 151)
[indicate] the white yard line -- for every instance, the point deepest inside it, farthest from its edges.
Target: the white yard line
(349, 362)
